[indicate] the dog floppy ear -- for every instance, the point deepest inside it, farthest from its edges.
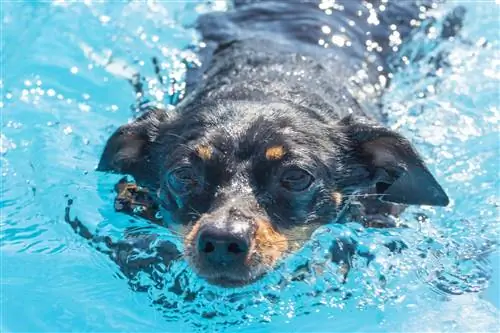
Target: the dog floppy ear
(127, 150)
(398, 172)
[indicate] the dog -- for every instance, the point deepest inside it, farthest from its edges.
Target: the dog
(280, 132)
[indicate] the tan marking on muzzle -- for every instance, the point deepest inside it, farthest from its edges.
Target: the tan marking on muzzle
(337, 198)
(189, 240)
(204, 152)
(298, 235)
(275, 153)
(269, 243)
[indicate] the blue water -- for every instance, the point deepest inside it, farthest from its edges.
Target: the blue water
(63, 78)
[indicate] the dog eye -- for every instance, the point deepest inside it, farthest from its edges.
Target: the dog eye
(296, 179)
(182, 180)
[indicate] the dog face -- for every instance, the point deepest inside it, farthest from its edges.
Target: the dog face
(247, 183)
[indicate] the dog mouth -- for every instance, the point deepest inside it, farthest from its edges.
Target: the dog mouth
(233, 276)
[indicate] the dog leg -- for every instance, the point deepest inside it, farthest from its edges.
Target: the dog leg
(371, 212)
(140, 252)
(344, 249)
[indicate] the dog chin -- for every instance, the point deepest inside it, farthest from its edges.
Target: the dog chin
(228, 282)
(231, 279)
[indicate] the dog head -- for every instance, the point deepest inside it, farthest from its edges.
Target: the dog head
(247, 182)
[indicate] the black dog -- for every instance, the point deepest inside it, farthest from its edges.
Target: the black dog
(279, 131)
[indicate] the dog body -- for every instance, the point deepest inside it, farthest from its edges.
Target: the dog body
(276, 134)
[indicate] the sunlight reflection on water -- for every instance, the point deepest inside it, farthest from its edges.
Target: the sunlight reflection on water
(58, 114)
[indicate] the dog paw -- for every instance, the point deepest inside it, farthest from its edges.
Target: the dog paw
(135, 200)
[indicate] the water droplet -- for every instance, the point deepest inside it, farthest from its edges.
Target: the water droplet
(68, 130)
(339, 40)
(51, 92)
(74, 70)
(373, 19)
(83, 107)
(104, 19)
(383, 80)
(326, 29)
(59, 3)
(159, 95)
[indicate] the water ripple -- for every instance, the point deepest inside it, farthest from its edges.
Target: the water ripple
(58, 114)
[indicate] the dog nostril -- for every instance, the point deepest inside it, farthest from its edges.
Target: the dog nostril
(217, 245)
(209, 247)
(235, 248)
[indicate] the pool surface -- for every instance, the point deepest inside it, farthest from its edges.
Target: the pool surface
(64, 90)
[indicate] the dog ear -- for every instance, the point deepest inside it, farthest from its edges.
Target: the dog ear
(399, 174)
(127, 150)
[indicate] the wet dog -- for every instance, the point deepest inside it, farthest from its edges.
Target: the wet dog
(280, 130)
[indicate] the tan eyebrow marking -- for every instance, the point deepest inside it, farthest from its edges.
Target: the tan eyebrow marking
(275, 153)
(337, 198)
(204, 152)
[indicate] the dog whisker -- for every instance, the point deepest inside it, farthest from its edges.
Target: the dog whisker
(180, 256)
(287, 240)
(175, 237)
(194, 212)
(176, 233)
(364, 195)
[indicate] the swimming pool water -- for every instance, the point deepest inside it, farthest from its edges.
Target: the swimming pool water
(64, 71)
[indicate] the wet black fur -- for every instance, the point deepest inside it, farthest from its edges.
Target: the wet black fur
(265, 81)
(270, 84)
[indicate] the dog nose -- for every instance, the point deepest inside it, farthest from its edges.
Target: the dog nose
(221, 247)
